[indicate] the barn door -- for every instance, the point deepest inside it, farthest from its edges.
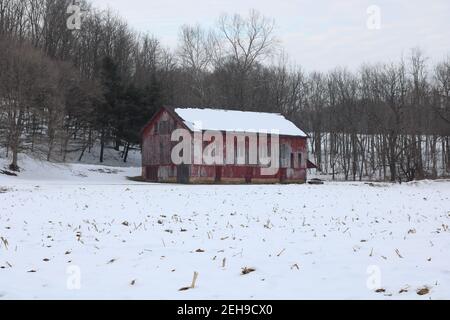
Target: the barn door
(183, 173)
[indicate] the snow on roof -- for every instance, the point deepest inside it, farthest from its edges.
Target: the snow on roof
(237, 121)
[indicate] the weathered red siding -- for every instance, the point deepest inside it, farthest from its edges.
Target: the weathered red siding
(158, 167)
(156, 150)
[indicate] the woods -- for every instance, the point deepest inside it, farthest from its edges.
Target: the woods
(64, 91)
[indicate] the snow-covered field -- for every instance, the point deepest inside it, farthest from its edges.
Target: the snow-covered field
(85, 232)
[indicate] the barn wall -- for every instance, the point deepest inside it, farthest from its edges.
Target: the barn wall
(289, 173)
(297, 171)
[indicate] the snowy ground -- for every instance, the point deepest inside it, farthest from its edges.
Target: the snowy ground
(64, 226)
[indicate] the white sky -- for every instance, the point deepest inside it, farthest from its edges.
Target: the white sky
(317, 34)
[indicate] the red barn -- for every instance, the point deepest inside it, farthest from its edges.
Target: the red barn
(234, 137)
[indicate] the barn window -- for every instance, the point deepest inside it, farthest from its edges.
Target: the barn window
(284, 152)
(285, 156)
(164, 127)
(300, 160)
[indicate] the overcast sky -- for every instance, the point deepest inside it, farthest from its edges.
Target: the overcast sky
(318, 34)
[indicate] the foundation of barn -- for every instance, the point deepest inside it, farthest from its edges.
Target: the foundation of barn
(221, 175)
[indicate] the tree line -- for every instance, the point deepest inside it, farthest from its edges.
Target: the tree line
(64, 91)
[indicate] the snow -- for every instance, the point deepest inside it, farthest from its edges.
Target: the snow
(111, 157)
(238, 121)
(305, 242)
(36, 170)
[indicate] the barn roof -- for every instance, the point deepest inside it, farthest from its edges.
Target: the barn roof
(237, 121)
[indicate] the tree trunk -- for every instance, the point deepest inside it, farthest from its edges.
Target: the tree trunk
(392, 158)
(125, 156)
(102, 146)
(14, 164)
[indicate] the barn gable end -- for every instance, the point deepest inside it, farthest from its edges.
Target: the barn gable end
(157, 146)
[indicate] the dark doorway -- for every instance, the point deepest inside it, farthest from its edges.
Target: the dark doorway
(219, 174)
(183, 174)
(283, 175)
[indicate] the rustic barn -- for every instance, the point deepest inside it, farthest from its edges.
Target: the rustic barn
(157, 147)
